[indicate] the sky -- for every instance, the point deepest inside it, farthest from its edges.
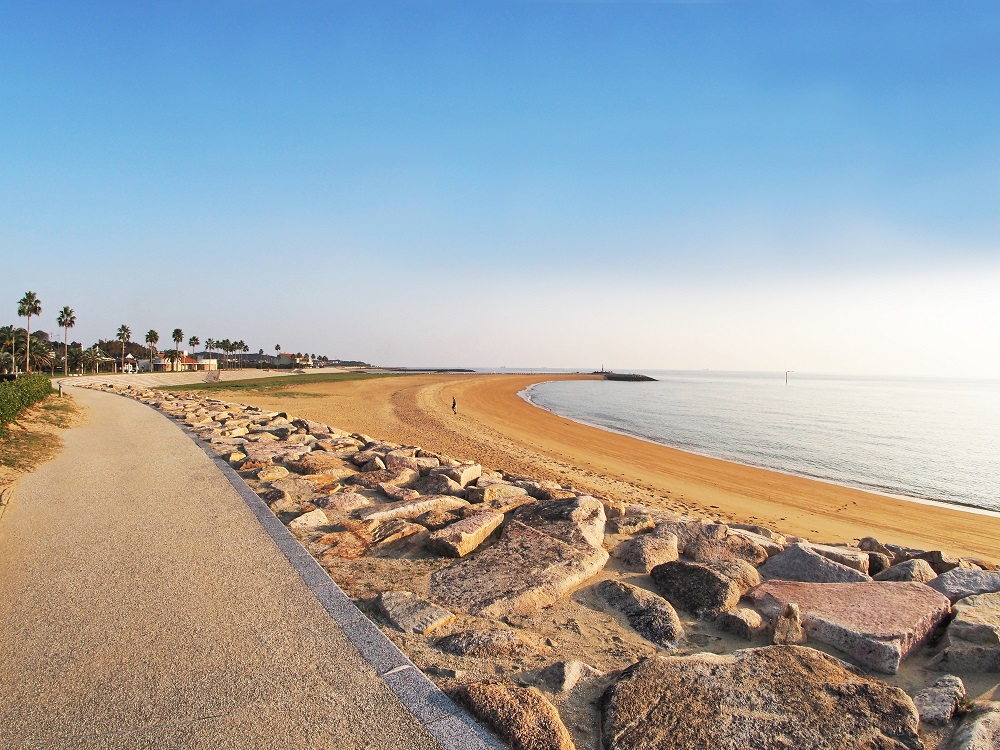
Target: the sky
(641, 185)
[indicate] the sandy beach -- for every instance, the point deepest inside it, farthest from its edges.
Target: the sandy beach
(498, 428)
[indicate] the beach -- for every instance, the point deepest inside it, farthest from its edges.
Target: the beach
(498, 428)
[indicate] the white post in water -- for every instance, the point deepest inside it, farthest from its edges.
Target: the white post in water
(786, 375)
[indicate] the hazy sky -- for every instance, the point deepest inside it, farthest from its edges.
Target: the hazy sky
(729, 185)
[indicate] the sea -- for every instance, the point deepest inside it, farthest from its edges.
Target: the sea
(924, 439)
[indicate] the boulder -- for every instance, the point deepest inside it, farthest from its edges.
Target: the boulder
(309, 521)
(937, 703)
(850, 557)
(345, 544)
(461, 538)
(578, 521)
(787, 626)
(878, 563)
(800, 562)
(438, 519)
(271, 473)
(486, 644)
(370, 479)
(910, 570)
(394, 462)
(525, 570)
(942, 563)
(646, 551)
(730, 547)
(632, 523)
(396, 493)
(522, 716)
(877, 624)
(559, 678)
(342, 502)
(409, 508)
(742, 622)
(704, 589)
(462, 474)
(437, 484)
(959, 583)
(977, 619)
(768, 544)
(761, 531)
(755, 699)
(978, 730)
(493, 492)
(290, 491)
(649, 615)
(408, 612)
(499, 505)
(321, 462)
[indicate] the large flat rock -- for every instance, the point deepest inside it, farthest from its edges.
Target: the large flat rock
(878, 624)
(959, 583)
(525, 570)
(800, 562)
(756, 699)
(578, 521)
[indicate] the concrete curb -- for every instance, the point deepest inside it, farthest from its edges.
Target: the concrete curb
(450, 725)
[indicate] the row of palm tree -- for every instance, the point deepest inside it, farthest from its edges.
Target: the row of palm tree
(20, 339)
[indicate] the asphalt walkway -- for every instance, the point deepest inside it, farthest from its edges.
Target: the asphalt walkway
(143, 605)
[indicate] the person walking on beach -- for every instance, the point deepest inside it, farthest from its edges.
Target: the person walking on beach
(454, 405)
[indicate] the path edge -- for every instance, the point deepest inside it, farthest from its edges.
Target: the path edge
(450, 725)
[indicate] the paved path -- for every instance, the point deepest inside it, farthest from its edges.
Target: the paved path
(143, 606)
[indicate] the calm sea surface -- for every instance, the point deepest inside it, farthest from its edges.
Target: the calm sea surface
(929, 439)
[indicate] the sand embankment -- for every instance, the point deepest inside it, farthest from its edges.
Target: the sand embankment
(498, 428)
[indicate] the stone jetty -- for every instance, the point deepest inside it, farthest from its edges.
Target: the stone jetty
(564, 620)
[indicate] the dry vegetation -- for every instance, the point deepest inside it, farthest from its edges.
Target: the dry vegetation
(34, 438)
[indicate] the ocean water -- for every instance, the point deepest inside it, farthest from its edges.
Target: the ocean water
(930, 439)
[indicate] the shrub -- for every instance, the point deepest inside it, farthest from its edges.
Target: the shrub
(18, 395)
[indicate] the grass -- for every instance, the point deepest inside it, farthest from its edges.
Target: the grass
(282, 383)
(34, 437)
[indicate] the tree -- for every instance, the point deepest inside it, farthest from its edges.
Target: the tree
(27, 306)
(178, 337)
(124, 334)
(8, 337)
(239, 347)
(277, 353)
(66, 320)
(210, 345)
(152, 339)
(193, 342)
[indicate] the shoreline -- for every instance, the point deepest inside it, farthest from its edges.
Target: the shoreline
(499, 428)
(963, 507)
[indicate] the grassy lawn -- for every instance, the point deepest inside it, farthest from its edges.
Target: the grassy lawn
(283, 383)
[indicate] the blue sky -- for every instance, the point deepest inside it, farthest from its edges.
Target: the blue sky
(520, 183)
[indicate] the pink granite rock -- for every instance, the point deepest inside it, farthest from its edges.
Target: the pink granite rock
(461, 538)
(878, 624)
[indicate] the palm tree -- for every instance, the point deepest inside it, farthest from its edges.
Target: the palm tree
(178, 337)
(152, 339)
(239, 347)
(246, 349)
(124, 334)
(277, 353)
(193, 342)
(8, 336)
(66, 320)
(210, 345)
(27, 306)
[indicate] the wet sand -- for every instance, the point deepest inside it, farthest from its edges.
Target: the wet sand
(498, 428)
